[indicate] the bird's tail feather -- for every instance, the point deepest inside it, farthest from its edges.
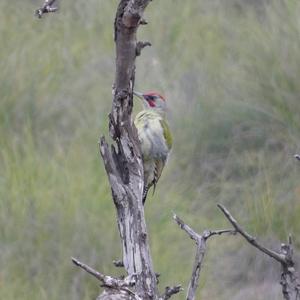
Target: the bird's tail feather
(145, 192)
(154, 187)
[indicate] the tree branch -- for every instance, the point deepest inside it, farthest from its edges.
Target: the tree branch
(122, 285)
(46, 8)
(107, 281)
(118, 263)
(289, 279)
(140, 46)
(200, 252)
(252, 240)
(170, 291)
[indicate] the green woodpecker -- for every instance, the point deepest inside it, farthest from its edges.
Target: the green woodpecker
(155, 137)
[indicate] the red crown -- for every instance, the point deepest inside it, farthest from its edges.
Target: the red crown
(152, 93)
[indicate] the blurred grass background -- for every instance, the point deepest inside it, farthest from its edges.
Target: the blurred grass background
(230, 70)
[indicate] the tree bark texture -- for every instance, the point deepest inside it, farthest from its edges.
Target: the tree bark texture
(123, 162)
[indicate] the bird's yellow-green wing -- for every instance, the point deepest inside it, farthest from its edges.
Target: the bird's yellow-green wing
(160, 163)
(167, 133)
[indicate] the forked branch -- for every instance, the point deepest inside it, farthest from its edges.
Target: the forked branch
(109, 281)
(200, 252)
(289, 279)
(252, 240)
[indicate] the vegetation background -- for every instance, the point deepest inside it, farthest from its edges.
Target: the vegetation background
(230, 71)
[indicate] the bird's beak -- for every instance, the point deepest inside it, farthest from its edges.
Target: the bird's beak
(140, 95)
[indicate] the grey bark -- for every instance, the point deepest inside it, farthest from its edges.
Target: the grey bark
(289, 281)
(46, 8)
(123, 162)
(200, 252)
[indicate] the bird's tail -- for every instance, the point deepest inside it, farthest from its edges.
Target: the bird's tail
(145, 193)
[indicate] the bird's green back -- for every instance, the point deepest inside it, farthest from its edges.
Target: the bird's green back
(167, 133)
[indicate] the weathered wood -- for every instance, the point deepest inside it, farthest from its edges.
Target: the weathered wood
(289, 278)
(123, 162)
(46, 8)
(200, 252)
(110, 282)
(170, 291)
(111, 294)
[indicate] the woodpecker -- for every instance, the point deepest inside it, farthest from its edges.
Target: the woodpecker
(154, 136)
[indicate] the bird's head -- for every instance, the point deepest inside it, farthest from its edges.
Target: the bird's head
(152, 100)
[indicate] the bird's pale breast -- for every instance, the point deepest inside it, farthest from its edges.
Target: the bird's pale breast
(151, 135)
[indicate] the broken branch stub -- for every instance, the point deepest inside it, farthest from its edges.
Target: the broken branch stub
(46, 8)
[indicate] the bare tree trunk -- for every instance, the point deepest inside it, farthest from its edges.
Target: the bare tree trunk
(123, 163)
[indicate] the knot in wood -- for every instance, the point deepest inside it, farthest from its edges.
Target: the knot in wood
(143, 236)
(206, 234)
(130, 280)
(122, 95)
(287, 252)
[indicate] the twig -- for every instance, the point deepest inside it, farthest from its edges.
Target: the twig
(252, 240)
(200, 252)
(289, 279)
(170, 291)
(88, 269)
(140, 46)
(107, 281)
(118, 263)
(157, 275)
(143, 21)
(46, 8)
(194, 235)
(111, 282)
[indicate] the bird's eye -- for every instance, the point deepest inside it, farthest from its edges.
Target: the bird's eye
(150, 98)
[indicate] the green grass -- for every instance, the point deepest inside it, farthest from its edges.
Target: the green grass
(230, 70)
